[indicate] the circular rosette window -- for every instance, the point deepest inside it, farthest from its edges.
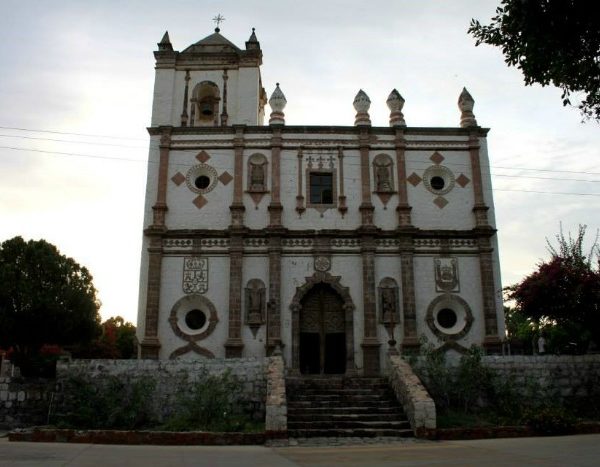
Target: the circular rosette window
(193, 317)
(438, 179)
(449, 317)
(201, 178)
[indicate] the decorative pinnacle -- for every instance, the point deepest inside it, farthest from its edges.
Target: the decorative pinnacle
(395, 103)
(361, 103)
(218, 20)
(466, 104)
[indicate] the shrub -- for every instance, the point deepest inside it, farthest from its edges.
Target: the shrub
(211, 403)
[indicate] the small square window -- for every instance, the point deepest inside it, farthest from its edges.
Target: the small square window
(321, 188)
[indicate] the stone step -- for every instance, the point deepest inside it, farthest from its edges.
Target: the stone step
(357, 433)
(348, 404)
(310, 416)
(345, 424)
(339, 397)
(383, 410)
(344, 391)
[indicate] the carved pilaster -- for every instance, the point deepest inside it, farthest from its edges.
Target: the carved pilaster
(342, 197)
(275, 206)
(237, 208)
(300, 208)
(486, 267)
(366, 208)
(370, 343)
(234, 344)
(184, 112)
(410, 339)
(150, 345)
(160, 207)
(403, 209)
(224, 115)
(274, 303)
(479, 209)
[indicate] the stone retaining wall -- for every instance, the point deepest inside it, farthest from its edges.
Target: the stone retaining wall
(418, 405)
(171, 376)
(24, 402)
(563, 376)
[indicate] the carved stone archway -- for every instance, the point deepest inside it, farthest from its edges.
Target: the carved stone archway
(348, 306)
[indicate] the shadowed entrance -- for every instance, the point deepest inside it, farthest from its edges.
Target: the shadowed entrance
(322, 332)
(322, 327)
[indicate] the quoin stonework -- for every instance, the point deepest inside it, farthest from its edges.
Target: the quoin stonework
(332, 245)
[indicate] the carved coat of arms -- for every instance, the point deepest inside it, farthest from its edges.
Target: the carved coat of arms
(195, 275)
(446, 274)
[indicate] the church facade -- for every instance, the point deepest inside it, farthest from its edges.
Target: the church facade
(330, 244)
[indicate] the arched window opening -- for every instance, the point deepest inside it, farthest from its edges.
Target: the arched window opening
(205, 104)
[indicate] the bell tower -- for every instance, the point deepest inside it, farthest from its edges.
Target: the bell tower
(210, 83)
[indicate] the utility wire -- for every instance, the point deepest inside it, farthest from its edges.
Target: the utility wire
(67, 133)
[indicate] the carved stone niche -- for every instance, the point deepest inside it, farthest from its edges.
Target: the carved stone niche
(383, 173)
(257, 177)
(389, 308)
(255, 304)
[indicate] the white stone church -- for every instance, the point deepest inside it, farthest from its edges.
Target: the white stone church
(330, 244)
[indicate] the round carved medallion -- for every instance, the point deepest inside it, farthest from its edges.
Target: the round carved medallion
(322, 263)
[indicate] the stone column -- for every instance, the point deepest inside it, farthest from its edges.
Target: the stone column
(366, 208)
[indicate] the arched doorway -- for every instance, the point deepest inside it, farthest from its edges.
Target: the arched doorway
(322, 332)
(322, 327)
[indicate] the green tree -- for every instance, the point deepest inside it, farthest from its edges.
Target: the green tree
(552, 42)
(45, 298)
(562, 297)
(117, 340)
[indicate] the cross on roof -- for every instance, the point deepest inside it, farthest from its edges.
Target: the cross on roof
(218, 20)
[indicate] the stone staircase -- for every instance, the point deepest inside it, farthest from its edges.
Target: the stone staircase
(336, 406)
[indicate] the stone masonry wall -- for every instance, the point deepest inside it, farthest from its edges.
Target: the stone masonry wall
(24, 402)
(418, 405)
(171, 376)
(563, 376)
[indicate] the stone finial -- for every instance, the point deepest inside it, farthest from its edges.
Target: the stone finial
(165, 42)
(252, 42)
(361, 104)
(277, 103)
(466, 104)
(395, 103)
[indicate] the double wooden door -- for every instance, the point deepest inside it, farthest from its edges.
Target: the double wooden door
(322, 332)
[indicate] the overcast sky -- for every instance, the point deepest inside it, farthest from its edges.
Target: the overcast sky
(86, 69)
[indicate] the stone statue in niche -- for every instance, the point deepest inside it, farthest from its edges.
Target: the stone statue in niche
(257, 177)
(446, 274)
(388, 301)
(257, 173)
(383, 173)
(255, 304)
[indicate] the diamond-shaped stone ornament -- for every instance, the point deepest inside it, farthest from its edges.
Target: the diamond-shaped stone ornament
(462, 180)
(200, 201)
(225, 178)
(178, 178)
(436, 158)
(414, 179)
(202, 156)
(440, 202)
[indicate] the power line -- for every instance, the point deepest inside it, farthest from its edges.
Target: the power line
(72, 134)
(414, 161)
(72, 141)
